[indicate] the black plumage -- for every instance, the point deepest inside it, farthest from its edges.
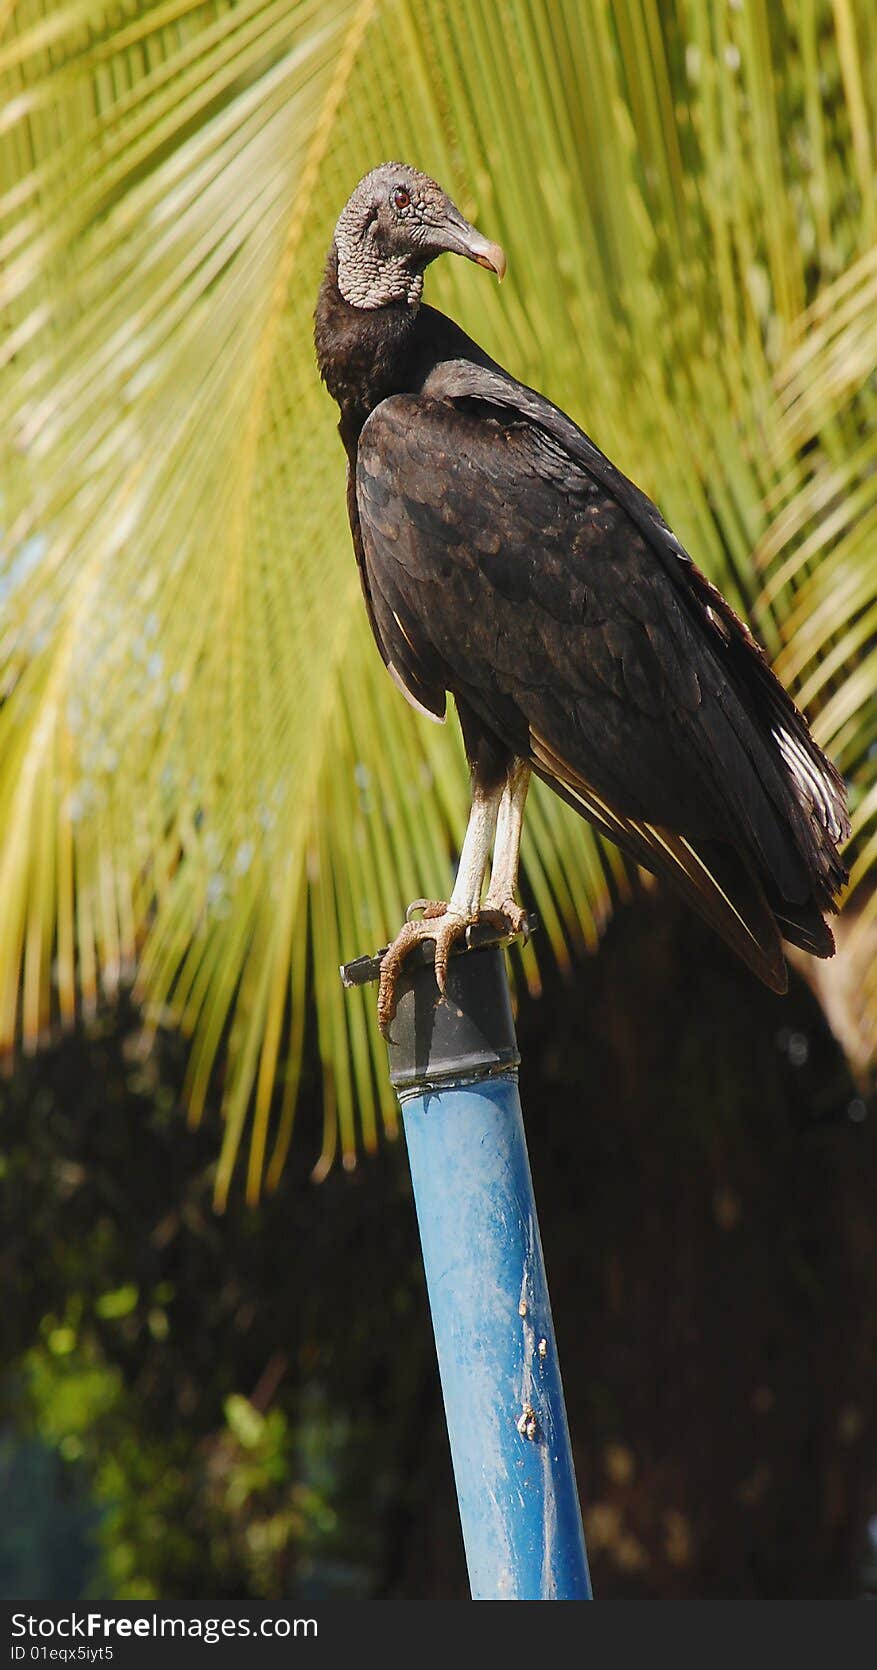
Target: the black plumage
(505, 560)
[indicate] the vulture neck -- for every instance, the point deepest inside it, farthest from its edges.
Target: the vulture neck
(364, 354)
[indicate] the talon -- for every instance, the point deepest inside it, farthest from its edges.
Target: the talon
(440, 967)
(509, 916)
(452, 929)
(435, 924)
(431, 907)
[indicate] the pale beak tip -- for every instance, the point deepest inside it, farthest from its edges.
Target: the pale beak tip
(494, 259)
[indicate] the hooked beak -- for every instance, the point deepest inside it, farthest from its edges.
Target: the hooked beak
(459, 238)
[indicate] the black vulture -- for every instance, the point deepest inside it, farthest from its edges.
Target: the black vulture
(506, 561)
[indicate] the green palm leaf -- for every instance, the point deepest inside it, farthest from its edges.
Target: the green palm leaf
(204, 772)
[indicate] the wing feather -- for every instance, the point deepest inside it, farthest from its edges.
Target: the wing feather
(749, 929)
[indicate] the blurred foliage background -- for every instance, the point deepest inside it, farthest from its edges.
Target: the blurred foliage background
(247, 1405)
(210, 794)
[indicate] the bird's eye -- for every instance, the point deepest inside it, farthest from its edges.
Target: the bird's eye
(401, 197)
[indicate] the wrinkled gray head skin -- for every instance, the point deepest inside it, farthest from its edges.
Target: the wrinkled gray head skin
(394, 224)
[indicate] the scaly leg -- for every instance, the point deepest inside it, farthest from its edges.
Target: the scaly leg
(500, 899)
(440, 922)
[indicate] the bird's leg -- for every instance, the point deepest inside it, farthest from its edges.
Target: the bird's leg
(444, 923)
(500, 901)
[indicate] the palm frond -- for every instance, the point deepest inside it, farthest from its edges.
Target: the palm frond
(819, 557)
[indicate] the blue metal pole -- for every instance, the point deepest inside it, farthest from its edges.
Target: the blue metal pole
(454, 1066)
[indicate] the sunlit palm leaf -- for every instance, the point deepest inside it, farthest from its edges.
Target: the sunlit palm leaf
(204, 771)
(820, 558)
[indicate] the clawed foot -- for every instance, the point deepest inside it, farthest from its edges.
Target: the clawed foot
(437, 923)
(443, 926)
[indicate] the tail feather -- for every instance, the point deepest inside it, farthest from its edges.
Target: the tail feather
(799, 922)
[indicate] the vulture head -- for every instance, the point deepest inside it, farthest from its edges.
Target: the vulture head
(396, 222)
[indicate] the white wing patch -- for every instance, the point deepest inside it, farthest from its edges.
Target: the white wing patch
(809, 780)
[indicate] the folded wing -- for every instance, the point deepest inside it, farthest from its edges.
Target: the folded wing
(506, 560)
